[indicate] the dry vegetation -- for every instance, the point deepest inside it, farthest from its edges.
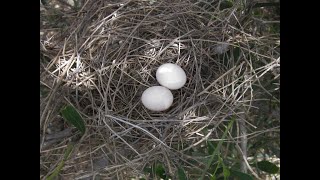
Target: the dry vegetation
(101, 56)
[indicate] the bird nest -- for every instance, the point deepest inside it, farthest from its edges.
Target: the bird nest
(108, 54)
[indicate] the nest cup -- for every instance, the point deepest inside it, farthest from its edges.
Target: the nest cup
(111, 56)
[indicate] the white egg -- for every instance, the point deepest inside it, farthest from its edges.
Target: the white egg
(171, 76)
(157, 98)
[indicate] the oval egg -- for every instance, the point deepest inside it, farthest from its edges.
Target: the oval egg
(157, 98)
(171, 76)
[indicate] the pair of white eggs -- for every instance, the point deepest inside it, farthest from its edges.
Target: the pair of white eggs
(160, 98)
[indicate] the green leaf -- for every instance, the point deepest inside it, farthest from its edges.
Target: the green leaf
(68, 151)
(181, 174)
(147, 170)
(210, 147)
(240, 175)
(70, 114)
(56, 171)
(216, 151)
(213, 178)
(216, 169)
(61, 163)
(268, 167)
(226, 171)
(160, 171)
